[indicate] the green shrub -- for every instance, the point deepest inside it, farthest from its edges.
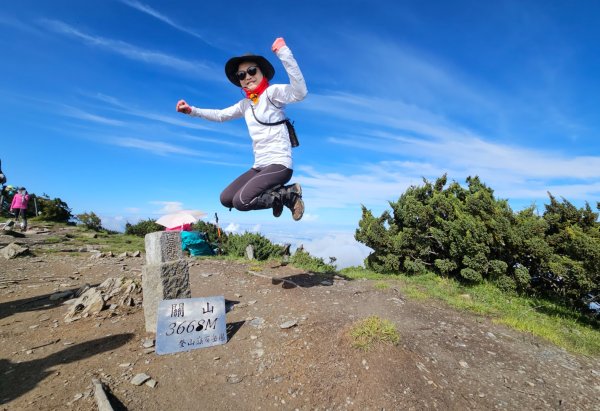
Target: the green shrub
(497, 269)
(53, 209)
(302, 259)
(263, 248)
(468, 234)
(143, 227)
(471, 275)
(90, 220)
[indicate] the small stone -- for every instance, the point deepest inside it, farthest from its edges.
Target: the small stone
(139, 379)
(257, 322)
(125, 365)
(151, 383)
(463, 364)
(148, 343)
(288, 324)
(234, 379)
(237, 295)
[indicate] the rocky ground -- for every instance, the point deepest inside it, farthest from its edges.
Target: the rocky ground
(445, 359)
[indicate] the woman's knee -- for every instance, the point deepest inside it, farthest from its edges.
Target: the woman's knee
(239, 205)
(226, 199)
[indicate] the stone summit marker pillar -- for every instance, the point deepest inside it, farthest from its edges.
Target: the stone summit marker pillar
(165, 275)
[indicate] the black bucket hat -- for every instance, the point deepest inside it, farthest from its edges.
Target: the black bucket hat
(233, 64)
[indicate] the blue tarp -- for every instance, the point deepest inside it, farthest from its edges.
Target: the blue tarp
(195, 242)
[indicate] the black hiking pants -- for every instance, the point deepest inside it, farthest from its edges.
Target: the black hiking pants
(247, 192)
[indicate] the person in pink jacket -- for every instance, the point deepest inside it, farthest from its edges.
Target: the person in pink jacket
(19, 207)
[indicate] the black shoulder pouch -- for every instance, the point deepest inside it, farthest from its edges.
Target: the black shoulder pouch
(292, 133)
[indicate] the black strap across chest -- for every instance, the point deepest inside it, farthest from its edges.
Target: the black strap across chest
(268, 124)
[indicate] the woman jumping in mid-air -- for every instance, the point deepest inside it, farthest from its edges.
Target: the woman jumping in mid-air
(262, 186)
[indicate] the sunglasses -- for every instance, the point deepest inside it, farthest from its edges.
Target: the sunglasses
(252, 70)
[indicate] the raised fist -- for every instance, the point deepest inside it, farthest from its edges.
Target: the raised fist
(183, 107)
(279, 43)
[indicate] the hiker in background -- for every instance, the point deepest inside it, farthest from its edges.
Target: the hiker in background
(262, 187)
(19, 207)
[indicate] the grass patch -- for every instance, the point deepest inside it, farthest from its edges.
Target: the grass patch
(557, 324)
(373, 330)
(117, 243)
(359, 273)
(381, 285)
(53, 240)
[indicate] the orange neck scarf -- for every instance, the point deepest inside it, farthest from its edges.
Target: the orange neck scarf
(254, 94)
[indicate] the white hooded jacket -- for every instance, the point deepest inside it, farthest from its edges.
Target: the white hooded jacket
(271, 144)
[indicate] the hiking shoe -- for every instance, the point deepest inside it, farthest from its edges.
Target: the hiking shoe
(295, 188)
(292, 199)
(277, 207)
(297, 208)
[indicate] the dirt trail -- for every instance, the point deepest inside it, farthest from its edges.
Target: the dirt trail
(445, 359)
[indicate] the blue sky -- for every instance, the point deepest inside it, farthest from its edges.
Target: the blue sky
(398, 91)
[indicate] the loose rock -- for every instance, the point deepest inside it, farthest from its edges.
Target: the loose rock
(139, 379)
(288, 324)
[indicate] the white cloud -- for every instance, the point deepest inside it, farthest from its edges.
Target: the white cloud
(196, 68)
(175, 119)
(336, 190)
(115, 223)
(309, 218)
(347, 251)
(168, 206)
(11, 21)
(232, 228)
(430, 145)
(156, 147)
(83, 115)
(144, 8)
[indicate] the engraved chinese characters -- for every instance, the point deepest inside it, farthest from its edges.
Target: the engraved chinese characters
(187, 324)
